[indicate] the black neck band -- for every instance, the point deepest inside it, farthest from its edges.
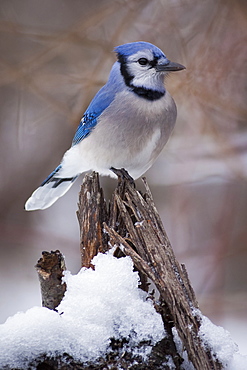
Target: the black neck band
(148, 94)
(141, 91)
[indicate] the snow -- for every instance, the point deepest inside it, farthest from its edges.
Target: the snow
(219, 339)
(101, 304)
(220, 343)
(98, 305)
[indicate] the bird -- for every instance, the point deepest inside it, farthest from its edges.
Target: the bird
(126, 125)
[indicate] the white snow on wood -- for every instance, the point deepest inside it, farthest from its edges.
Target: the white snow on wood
(98, 305)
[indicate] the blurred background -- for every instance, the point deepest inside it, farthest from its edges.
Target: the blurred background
(54, 56)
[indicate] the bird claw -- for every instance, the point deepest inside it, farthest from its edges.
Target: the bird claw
(123, 175)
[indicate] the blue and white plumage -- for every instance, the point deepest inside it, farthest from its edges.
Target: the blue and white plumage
(126, 125)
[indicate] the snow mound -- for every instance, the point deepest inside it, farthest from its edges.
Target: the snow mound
(98, 305)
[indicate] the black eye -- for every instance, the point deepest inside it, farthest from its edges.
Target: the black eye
(143, 61)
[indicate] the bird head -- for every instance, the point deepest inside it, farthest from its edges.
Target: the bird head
(144, 65)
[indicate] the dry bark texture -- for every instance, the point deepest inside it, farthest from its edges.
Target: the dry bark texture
(50, 268)
(91, 214)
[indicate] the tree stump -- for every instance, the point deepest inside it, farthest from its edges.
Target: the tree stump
(132, 224)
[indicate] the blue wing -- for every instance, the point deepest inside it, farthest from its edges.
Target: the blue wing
(54, 185)
(100, 102)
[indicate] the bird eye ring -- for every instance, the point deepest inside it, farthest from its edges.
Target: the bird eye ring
(143, 61)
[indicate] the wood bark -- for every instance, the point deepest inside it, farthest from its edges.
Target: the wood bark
(91, 214)
(50, 268)
(134, 225)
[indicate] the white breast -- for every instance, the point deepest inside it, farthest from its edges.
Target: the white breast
(129, 134)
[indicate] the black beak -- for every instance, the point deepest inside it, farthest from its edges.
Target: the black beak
(169, 67)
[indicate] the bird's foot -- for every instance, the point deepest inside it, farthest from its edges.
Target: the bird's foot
(123, 175)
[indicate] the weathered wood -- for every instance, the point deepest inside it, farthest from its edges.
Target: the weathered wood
(50, 268)
(132, 223)
(146, 242)
(92, 213)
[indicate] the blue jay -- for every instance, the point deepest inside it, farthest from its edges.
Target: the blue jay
(126, 125)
